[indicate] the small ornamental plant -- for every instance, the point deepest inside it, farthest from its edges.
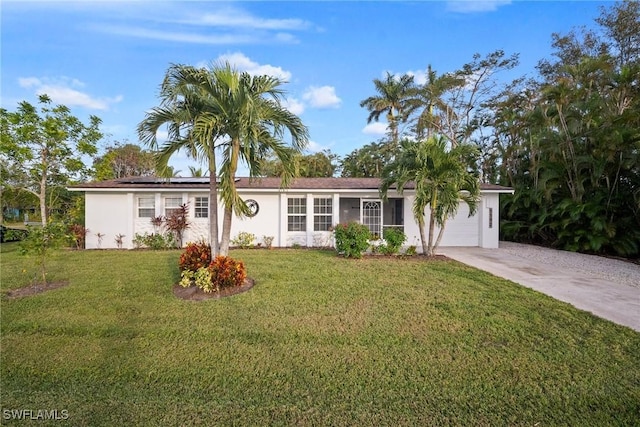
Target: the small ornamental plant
(227, 272)
(394, 238)
(195, 256)
(201, 278)
(352, 239)
(244, 240)
(78, 234)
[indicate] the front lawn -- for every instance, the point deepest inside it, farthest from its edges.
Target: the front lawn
(320, 340)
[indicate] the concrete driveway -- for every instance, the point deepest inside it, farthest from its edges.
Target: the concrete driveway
(605, 287)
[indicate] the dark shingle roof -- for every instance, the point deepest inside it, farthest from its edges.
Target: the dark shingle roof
(255, 183)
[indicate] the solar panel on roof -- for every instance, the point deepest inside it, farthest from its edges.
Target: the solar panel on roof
(172, 180)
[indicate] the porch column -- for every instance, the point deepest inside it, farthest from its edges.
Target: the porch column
(309, 220)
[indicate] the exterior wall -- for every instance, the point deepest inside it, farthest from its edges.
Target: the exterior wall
(489, 221)
(108, 214)
(264, 223)
(113, 213)
(459, 231)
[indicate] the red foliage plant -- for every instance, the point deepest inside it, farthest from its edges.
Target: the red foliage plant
(227, 272)
(196, 255)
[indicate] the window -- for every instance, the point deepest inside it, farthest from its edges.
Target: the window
(146, 207)
(202, 207)
(171, 205)
(297, 214)
(322, 214)
(490, 217)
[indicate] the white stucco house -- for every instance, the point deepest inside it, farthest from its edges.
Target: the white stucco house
(302, 214)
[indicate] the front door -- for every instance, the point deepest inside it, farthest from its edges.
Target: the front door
(371, 215)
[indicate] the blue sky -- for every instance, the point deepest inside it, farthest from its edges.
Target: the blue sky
(108, 58)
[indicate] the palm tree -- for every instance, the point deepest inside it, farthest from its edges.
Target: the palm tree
(218, 110)
(436, 115)
(392, 99)
(441, 180)
(196, 172)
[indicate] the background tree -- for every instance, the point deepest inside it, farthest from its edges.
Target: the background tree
(220, 110)
(320, 164)
(570, 142)
(369, 160)
(454, 104)
(120, 161)
(441, 179)
(393, 95)
(45, 146)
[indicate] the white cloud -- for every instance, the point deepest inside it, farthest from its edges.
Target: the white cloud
(473, 6)
(234, 17)
(63, 91)
(293, 105)
(315, 147)
(180, 37)
(228, 26)
(419, 77)
(244, 63)
(375, 128)
(322, 97)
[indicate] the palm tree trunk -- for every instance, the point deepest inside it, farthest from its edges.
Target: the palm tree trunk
(213, 209)
(228, 210)
(226, 231)
(423, 239)
(432, 222)
(439, 239)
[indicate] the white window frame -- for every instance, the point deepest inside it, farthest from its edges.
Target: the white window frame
(322, 213)
(171, 204)
(201, 207)
(146, 210)
(298, 213)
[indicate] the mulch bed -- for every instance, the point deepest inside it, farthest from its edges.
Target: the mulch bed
(35, 289)
(193, 293)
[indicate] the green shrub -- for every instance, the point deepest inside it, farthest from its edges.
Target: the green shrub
(352, 239)
(154, 241)
(394, 238)
(195, 256)
(244, 240)
(411, 250)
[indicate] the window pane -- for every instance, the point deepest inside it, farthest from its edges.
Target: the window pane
(146, 202)
(322, 222)
(171, 205)
(297, 223)
(297, 205)
(146, 207)
(202, 207)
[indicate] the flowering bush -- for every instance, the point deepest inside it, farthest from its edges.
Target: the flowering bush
(352, 239)
(227, 272)
(195, 256)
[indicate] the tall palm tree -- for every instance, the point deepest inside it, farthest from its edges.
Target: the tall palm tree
(436, 115)
(393, 94)
(218, 110)
(441, 179)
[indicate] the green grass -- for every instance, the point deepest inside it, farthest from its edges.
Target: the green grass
(319, 340)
